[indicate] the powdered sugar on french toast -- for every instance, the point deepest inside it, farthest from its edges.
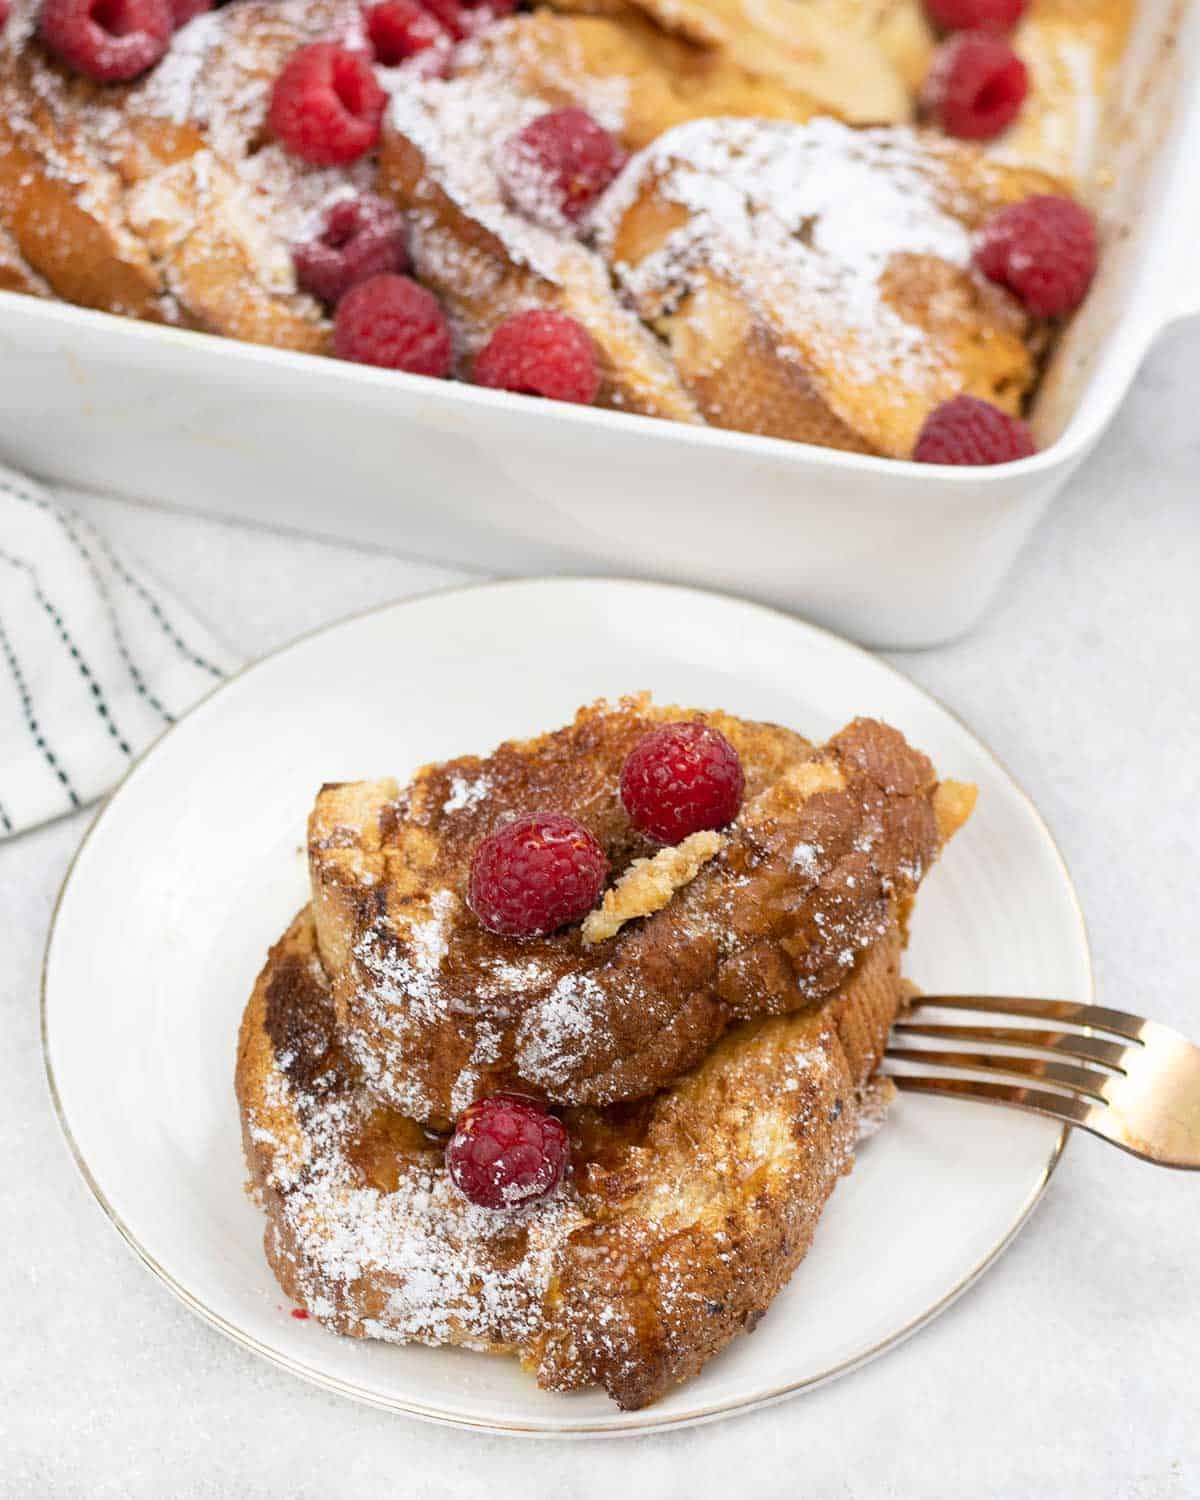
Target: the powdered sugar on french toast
(458, 125)
(367, 1231)
(406, 978)
(465, 793)
(805, 219)
(557, 1035)
(513, 47)
(400, 991)
(451, 1272)
(183, 150)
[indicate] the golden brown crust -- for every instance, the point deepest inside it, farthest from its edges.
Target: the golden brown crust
(663, 79)
(167, 199)
(147, 199)
(830, 844)
(782, 315)
(486, 262)
(682, 1218)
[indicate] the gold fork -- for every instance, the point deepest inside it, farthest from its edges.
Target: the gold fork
(1140, 1088)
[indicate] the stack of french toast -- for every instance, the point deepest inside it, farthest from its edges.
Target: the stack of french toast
(574, 1040)
(785, 241)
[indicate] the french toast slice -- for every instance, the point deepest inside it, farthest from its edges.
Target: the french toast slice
(1071, 48)
(485, 261)
(635, 77)
(767, 917)
(680, 1220)
(163, 199)
(789, 307)
(861, 60)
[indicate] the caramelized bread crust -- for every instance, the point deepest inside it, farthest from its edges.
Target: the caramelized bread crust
(862, 60)
(485, 261)
(164, 199)
(743, 244)
(826, 322)
(682, 1216)
(829, 848)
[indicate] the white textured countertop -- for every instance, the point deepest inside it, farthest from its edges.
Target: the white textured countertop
(1069, 1371)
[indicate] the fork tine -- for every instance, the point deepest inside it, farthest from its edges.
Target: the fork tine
(1083, 1080)
(1148, 1103)
(1118, 1022)
(1070, 1043)
(1070, 1110)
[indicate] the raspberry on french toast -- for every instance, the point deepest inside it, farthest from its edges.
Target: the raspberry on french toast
(679, 1222)
(163, 198)
(487, 262)
(827, 850)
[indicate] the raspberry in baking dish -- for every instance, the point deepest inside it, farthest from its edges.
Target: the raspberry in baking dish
(326, 105)
(183, 11)
(976, 15)
(357, 237)
(555, 168)
(208, 189)
(975, 86)
(1043, 249)
(400, 29)
(540, 352)
(969, 431)
(392, 322)
(108, 40)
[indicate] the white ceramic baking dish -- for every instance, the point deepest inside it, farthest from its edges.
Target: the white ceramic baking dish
(894, 554)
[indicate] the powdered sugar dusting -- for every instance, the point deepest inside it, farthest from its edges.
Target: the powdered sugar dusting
(556, 1036)
(450, 1272)
(459, 125)
(125, 150)
(540, 49)
(465, 793)
(806, 860)
(404, 977)
(805, 219)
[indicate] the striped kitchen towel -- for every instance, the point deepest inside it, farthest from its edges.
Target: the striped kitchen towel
(96, 658)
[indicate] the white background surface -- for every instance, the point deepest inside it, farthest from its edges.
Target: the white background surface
(1070, 1371)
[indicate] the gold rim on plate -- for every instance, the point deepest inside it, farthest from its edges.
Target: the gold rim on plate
(597, 1428)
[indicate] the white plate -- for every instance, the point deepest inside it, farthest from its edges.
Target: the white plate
(195, 866)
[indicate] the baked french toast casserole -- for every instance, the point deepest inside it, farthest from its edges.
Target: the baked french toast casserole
(857, 223)
(574, 1041)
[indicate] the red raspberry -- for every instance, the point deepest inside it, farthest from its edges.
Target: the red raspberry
(399, 29)
(681, 778)
(506, 1151)
(359, 237)
(966, 430)
(535, 875)
(976, 15)
(975, 86)
(326, 105)
(1043, 249)
(541, 353)
(108, 40)
(183, 11)
(3, 14)
(391, 321)
(558, 165)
